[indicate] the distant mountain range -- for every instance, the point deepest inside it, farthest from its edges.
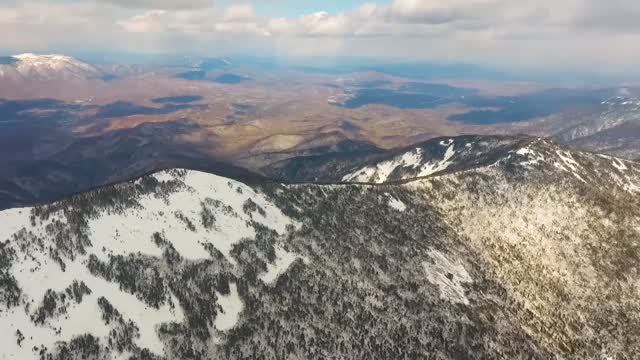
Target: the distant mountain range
(28, 68)
(616, 130)
(473, 247)
(68, 126)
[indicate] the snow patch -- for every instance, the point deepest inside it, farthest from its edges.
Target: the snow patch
(35, 276)
(397, 204)
(632, 187)
(568, 160)
(12, 221)
(449, 275)
(284, 259)
(123, 234)
(414, 160)
(230, 305)
(533, 157)
(117, 234)
(570, 163)
(524, 151)
(380, 173)
(432, 168)
(619, 164)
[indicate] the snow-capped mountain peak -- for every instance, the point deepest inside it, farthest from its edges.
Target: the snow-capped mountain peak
(29, 66)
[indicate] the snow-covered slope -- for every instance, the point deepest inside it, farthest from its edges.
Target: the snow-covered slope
(46, 67)
(618, 111)
(613, 129)
(433, 157)
(412, 162)
(461, 248)
(518, 154)
(58, 293)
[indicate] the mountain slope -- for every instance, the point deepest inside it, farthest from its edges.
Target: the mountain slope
(441, 156)
(616, 130)
(524, 250)
(377, 166)
(521, 155)
(32, 67)
(322, 163)
(562, 229)
(435, 156)
(87, 163)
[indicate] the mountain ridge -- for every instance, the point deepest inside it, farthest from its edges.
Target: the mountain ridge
(506, 146)
(505, 260)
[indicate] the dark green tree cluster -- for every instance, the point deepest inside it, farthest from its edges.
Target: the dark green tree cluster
(10, 292)
(55, 304)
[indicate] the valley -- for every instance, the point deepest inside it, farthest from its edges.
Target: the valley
(143, 118)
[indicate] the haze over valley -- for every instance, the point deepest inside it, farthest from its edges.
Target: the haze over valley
(68, 125)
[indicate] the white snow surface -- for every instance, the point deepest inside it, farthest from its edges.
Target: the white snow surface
(397, 204)
(533, 157)
(123, 234)
(449, 275)
(413, 159)
(380, 173)
(620, 165)
(47, 67)
(39, 273)
(432, 168)
(120, 235)
(231, 306)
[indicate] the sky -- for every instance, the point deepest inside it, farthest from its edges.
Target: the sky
(592, 35)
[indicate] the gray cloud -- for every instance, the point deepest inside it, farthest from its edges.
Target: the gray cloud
(610, 16)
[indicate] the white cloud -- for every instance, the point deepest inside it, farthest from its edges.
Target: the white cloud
(531, 32)
(429, 11)
(240, 13)
(241, 28)
(160, 4)
(322, 23)
(279, 26)
(151, 21)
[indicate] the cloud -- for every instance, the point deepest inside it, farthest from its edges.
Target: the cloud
(151, 21)
(430, 11)
(240, 13)
(166, 22)
(160, 4)
(324, 24)
(609, 16)
(541, 33)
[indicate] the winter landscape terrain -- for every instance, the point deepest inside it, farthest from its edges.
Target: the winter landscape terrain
(69, 125)
(319, 180)
(472, 247)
